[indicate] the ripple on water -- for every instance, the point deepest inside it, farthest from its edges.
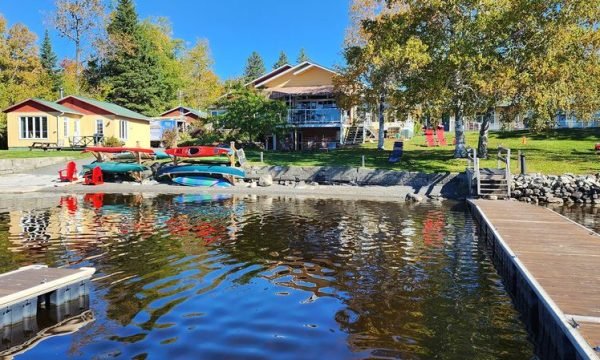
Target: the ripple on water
(271, 278)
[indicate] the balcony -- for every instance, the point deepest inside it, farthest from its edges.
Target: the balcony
(326, 117)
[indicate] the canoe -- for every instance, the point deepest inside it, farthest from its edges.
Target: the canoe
(120, 149)
(110, 167)
(175, 170)
(201, 181)
(198, 151)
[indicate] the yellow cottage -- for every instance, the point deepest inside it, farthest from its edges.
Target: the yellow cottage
(74, 121)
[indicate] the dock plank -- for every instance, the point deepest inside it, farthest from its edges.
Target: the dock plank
(563, 257)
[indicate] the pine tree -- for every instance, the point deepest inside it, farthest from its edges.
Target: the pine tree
(134, 75)
(283, 60)
(302, 57)
(255, 67)
(48, 61)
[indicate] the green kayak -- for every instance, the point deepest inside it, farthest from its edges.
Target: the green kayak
(110, 167)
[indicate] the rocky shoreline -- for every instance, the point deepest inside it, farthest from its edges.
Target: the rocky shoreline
(557, 189)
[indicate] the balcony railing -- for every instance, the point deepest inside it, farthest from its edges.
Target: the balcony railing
(327, 116)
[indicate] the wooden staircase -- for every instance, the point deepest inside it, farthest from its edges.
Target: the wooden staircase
(357, 134)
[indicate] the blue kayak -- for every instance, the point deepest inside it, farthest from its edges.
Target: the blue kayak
(180, 170)
(201, 181)
(115, 167)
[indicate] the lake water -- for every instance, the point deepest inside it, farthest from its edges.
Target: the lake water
(196, 276)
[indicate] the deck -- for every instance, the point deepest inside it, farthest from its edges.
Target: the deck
(557, 258)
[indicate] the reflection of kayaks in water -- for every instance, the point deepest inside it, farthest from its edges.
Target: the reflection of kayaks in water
(200, 198)
(111, 167)
(198, 151)
(201, 181)
(180, 170)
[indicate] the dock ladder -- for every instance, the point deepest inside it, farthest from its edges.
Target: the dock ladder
(485, 182)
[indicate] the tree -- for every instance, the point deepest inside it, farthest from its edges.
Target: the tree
(201, 85)
(21, 72)
(302, 57)
(76, 20)
(255, 67)
(251, 114)
(283, 60)
(48, 61)
(133, 71)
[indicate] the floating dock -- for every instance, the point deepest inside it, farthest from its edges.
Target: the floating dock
(551, 267)
(26, 289)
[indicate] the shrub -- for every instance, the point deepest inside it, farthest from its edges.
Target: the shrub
(169, 138)
(112, 141)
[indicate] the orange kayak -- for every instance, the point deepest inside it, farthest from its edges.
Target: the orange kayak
(198, 151)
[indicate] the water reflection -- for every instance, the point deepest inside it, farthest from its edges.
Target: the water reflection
(226, 276)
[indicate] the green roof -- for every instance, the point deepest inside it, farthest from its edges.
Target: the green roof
(198, 113)
(110, 107)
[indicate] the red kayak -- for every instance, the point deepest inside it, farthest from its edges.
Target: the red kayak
(114, 150)
(198, 151)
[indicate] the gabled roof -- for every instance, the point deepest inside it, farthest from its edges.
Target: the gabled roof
(110, 107)
(269, 75)
(295, 70)
(49, 104)
(187, 110)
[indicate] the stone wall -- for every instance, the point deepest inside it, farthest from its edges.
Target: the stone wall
(567, 188)
(11, 166)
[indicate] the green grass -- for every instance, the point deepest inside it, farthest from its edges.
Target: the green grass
(553, 152)
(23, 154)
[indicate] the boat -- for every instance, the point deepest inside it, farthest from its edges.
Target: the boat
(118, 149)
(201, 181)
(181, 170)
(128, 155)
(198, 151)
(111, 167)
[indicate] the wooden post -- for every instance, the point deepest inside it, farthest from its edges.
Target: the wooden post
(232, 156)
(363, 161)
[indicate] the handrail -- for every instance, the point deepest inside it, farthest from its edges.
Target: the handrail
(504, 158)
(473, 165)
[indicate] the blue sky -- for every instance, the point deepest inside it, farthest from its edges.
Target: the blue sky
(234, 28)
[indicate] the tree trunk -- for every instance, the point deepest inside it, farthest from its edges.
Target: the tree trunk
(77, 64)
(459, 130)
(482, 146)
(381, 133)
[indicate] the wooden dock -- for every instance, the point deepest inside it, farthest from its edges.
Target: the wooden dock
(21, 290)
(551, 267)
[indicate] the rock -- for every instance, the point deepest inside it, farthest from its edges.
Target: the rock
(265, 180)
(414, 197)
(253, 184)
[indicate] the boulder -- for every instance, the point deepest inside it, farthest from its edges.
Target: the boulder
(265, 180)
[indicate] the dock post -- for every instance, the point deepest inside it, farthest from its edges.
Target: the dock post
(363, 161)
(261, 157)
(522, 162)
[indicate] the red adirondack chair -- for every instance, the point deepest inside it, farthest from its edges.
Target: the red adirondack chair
(68, 174)
(441, 137)
(94, 177)
(429, 138)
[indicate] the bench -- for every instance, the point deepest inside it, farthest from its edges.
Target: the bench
(44, 146)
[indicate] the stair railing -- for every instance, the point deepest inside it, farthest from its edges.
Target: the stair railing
(473, 171)
(504, 160)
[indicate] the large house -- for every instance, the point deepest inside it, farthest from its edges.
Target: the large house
(74, 121)
(314, 116)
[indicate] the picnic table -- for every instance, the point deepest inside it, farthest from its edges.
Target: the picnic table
(45, 146)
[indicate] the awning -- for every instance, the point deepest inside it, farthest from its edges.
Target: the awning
(301, 90)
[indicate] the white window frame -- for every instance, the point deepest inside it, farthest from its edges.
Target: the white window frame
(34, 129)
(123, 129)
(101, 123)
(66, 127)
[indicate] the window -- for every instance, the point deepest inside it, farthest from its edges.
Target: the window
(100, 127)
(34, 127)
(123, 129)
(65, 127)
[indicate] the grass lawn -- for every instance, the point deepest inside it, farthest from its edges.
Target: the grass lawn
(22, 154)
(553, 152)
